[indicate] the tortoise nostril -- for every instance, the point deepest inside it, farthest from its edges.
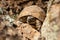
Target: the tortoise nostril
(14, 25)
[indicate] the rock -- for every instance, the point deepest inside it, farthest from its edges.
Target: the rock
(51, 26)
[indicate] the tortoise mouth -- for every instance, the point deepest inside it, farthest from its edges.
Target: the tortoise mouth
(29, 19)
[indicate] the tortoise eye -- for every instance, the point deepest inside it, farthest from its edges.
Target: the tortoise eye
(31, 20)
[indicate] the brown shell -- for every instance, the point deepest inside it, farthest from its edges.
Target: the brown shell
(34, 11)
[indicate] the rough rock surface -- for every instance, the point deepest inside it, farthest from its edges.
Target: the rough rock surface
(51, 26)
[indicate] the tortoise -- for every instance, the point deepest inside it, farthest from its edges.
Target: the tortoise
(32, 15)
